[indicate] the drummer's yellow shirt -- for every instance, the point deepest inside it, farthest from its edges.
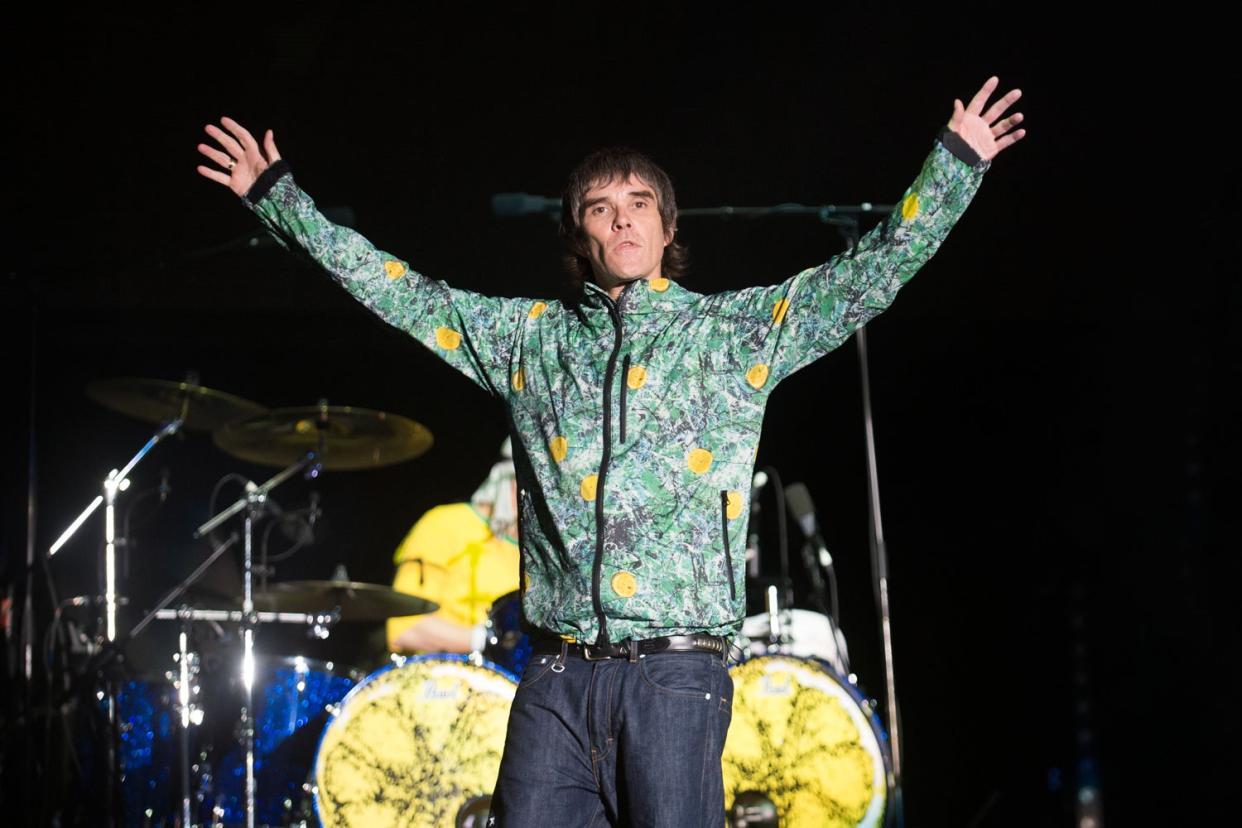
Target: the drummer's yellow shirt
(451, 557)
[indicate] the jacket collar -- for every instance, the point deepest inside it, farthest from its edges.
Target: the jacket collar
(640, 297)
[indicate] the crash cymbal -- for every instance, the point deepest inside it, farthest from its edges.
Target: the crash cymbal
(158, 401)
(357, 601)
(353, 438)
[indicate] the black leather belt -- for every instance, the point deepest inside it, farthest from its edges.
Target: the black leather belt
(631, 649)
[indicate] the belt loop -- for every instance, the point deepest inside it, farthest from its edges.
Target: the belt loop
(633, 651)
(558, 666)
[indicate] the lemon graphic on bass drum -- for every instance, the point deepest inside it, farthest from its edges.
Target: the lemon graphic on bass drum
(417, 744)
(801, 737)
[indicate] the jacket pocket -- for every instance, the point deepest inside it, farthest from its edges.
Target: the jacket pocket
(724, 534)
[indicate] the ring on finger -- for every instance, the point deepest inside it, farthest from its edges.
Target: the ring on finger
(232, 164)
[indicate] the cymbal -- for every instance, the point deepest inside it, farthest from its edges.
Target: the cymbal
(357, 601)
(353, 438)
(158, 401)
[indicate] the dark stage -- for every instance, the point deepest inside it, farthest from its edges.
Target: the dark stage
(1055, 393)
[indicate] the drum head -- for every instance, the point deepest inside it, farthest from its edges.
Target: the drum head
(414, 744)
(800, 737)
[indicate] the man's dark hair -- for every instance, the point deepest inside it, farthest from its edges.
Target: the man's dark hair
(617, 164)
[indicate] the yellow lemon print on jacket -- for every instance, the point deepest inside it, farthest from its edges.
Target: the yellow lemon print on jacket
(448, 339)
(757, 376)
(624, 584)
(519, 380)
(537, 309)
(699, 460)
(910, 207)
(637, 377)
(734, 506)
(559, 447)
(779, 310)
(395, 270)
(659, 284)
(587, 489)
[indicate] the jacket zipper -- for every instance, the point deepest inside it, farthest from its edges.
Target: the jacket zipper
(724, 531)
(598, 566)
(625, 382)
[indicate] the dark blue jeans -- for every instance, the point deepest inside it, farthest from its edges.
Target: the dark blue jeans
(616, 743)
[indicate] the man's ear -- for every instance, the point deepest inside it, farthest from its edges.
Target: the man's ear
(669, 234)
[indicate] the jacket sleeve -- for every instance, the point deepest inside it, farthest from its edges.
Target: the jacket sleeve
(475, 334)
(786, 326)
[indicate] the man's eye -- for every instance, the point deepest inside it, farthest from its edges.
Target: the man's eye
(640, 204)
(599, 210)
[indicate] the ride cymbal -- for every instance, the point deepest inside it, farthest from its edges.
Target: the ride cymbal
(352, 438)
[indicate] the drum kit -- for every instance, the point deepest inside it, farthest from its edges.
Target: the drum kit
(292, 740)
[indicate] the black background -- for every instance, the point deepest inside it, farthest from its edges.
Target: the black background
(1054, 394)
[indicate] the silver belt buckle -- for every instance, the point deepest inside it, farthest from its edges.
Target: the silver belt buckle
(587, 650)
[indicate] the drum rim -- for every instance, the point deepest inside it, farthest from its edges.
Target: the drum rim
(395, 663)
(872, 718)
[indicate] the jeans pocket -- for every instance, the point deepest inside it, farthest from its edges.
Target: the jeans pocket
(680, 674)
(536, 669)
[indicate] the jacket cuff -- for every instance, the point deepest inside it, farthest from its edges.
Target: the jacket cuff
(953, 142)
(267, 180)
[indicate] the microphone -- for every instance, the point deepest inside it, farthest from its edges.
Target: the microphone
(802, 509)
(511, 205)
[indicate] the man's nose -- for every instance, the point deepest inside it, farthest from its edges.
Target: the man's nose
(621, 219)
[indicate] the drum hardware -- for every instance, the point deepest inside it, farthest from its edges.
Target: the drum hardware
(319, 437)
(351, 438)
(175, 406)
(752, 809)
(252, 502)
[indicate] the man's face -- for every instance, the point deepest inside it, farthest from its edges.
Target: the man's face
(623, 236)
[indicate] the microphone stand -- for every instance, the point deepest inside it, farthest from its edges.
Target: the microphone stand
(879, 555)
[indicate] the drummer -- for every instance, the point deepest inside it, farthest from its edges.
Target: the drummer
(463, 556)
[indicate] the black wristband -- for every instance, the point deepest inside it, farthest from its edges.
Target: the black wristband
(267, 180)
(957, 145)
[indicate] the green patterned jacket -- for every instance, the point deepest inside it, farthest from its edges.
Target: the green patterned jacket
(636, 422)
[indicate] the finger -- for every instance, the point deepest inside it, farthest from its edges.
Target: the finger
(269, 143)
(214, 175)
(998, 109)
(1009, 140)
(242, 134)
(981, 97)
(1007, 124)
(958, 113)
(215, 155)
(225, 140)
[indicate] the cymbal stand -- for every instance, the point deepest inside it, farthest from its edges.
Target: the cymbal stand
(115, 483)
(252, 502)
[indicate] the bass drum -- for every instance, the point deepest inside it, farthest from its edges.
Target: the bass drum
(807, 740)
(416, 744)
